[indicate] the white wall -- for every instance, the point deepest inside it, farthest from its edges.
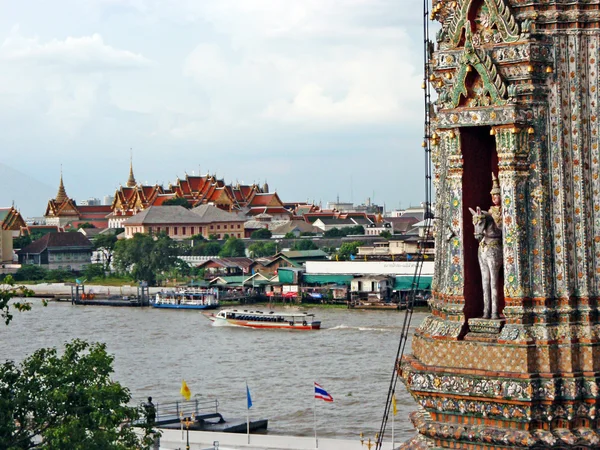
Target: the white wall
(368, 267)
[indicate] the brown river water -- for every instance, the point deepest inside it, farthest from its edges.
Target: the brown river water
(352, 357)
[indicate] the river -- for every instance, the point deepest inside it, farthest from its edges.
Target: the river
(352, 357)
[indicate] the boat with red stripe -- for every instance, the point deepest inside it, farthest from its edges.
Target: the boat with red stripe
(266, 320)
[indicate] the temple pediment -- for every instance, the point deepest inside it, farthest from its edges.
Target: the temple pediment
(490, 22)
(477, 82)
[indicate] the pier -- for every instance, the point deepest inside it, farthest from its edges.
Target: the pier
(205, 440)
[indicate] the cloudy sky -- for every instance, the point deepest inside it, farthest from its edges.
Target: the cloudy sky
(318, 97)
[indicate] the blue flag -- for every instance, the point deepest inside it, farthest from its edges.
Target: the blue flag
(77, 280)
(352, 257)
(248, 397)
(408, 257)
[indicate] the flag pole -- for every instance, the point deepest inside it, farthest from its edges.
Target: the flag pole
(393, 431)
(315, 417)
(247, 413)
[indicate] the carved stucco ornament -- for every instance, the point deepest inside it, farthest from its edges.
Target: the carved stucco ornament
(481, 62)
(500, 18)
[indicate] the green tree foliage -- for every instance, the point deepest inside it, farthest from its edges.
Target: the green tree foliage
(197, 238)
(87, 225)
(58, 275)
(260, 249)
(307, 233)
(385, 234)
(93, 271)
(144, 257)
(8, 292)
(69, 401)
(304, 244)
(105, 243)
(347, 249)
(289, 235)
(177, 201)
(263, 233)
(233, 247)
(30, 272)
(206, 248)
(346, 231)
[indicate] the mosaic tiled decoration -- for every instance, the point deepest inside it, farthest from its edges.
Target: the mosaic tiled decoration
(527, 71)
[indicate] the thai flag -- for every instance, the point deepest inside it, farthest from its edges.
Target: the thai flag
(322, 393)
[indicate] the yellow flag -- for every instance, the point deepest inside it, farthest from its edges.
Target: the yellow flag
(185, 390)
(337, 258)
(394, 407)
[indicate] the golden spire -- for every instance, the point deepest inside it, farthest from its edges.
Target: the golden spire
(131, 180)
(61, 195)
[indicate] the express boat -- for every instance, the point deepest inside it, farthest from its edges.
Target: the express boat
(187, 299)
(260, 319)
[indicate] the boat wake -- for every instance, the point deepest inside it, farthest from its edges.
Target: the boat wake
(347, 327)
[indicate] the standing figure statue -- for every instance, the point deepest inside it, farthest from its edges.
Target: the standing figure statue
(488, 232)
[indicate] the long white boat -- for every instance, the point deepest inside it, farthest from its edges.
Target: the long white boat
(265, 320)
(188, 298)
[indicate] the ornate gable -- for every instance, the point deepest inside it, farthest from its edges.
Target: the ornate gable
(490, 21)
(477, 82)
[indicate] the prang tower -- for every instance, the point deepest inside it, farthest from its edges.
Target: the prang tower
(517, 95)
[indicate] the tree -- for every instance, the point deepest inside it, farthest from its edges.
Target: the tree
(92, 271)
(385, 234)
(8, 292)
(30, 272)
(145, 257)
(105, 243)
(180, 201)
(87, 225)
(263, 233)
(347, 249)
(304, 244)
(355, 230)
(337, 232)
(289, 235)
(334, 232)
(206, 248)
(260, 249)
(233, 247)
(57, 401)
(58, 275)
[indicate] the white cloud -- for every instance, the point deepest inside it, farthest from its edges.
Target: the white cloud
(235, 86)
(85, 52)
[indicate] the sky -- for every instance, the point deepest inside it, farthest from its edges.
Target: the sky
(320, 98)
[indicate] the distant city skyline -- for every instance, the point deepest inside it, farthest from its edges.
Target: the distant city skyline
(319, 98)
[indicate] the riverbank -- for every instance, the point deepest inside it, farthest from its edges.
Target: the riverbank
(63, 290)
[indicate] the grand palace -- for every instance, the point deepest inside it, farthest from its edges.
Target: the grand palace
(249, 201)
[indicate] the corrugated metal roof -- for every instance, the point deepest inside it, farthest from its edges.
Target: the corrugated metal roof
(405, 283)
(327, 279)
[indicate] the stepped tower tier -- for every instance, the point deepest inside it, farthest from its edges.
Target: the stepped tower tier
(517, 96)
